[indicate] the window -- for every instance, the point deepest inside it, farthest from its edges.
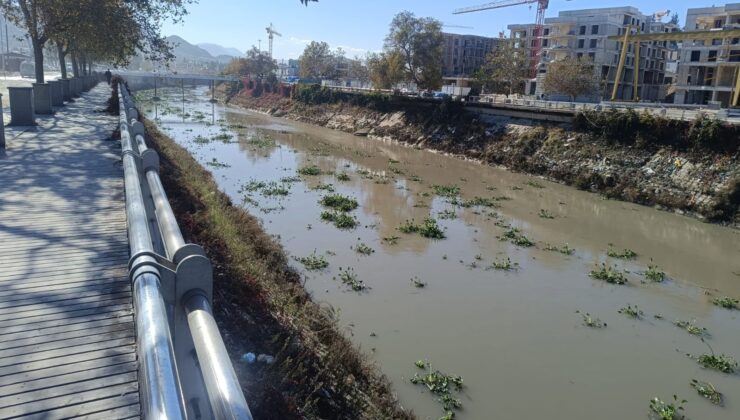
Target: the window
(712, 56)
(592, 56)
(734, 56)
(582, 30)
(592, 43)
(718, 23)
(579, 55)
(545, 42)
(547, 31)
(695, 55)
(594, 29)
(581, 43)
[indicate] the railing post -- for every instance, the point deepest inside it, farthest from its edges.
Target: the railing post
(2, 124)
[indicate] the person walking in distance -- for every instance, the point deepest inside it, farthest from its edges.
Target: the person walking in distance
(108, 76)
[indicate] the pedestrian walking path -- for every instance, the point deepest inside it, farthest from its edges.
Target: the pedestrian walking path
(67, 339)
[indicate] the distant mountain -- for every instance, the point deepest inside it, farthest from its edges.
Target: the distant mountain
(185, 50)
(216, 50)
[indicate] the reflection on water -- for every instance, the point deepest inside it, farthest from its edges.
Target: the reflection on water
(514, 336)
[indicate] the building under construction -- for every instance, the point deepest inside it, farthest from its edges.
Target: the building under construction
(585, 34)
(708, 68)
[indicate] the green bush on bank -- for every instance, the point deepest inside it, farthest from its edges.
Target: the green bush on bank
(644, 128)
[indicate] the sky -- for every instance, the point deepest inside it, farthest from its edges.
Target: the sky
(359, 26)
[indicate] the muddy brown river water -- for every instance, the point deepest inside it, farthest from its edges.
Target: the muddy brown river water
(514, 336)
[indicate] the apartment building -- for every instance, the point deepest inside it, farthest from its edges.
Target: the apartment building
(464, 54)
(707, 70)
(584, 34)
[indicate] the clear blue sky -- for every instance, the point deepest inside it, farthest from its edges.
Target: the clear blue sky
(359, 26)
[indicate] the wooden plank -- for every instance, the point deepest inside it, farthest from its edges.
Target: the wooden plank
(7, 340)
(47, 298)
(69, 361)
(81, 310)
(88, 315)
(26, 377)
(49, 356)
(38, 351)
(68, 395)
(70, 287)
(26, 343)
(39, 384)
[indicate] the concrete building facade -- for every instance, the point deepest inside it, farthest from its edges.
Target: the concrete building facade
(584, 34)
(464, 54)
(707, 70)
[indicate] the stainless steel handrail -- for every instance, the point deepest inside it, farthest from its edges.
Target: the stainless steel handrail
(161, 390)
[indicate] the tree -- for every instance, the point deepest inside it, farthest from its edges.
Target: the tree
(317, 61)
(571, 76)
(504, 70)
(674, 19)
(107, 29)
(257, 63)
(358, 69)
(419, 41)
(386, 69)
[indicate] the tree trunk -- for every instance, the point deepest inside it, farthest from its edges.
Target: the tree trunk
(75, 64)
(38, 59)
(83, 59)
(62, 60)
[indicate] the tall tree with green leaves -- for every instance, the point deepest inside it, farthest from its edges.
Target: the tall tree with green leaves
(386, 69)
(317, 61)
(571, 76)
(504, 70)
(419, 41)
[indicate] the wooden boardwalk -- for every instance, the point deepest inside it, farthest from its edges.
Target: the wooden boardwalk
(67, 339)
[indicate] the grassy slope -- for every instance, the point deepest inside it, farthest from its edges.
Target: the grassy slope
(261, 306)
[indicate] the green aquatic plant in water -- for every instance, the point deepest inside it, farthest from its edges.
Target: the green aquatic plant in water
(590, 321)
(363, 249)
(339, 202)
(428, 229)
(349, 278)
(505, 265)
(722, 363)
(565, 249)
(447, 214)
(654, 274)
(440, 384)
(608, 274)
(708, 391)
(446, 190)
(274, 189)
(418, 284)
(632, 312)
(339, 219)
(314, 262)
(726, 302)
(667, 411)
(343, 177)
(515, 236)
(214, 163)
(546, 214)
(691, 327)
(625, 254)
(312, 170)
(323, 187)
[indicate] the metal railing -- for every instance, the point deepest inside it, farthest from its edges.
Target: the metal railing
(184, 369)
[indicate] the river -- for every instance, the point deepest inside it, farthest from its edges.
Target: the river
(516, 335)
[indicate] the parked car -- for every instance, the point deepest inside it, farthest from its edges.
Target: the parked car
(28, 69)
(441, 96)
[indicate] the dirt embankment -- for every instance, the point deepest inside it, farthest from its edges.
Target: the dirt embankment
(261, 306)
(701, 181)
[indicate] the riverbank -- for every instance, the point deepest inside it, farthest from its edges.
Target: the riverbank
(701, 180)
(262, 306)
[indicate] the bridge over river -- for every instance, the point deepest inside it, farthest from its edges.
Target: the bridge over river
(104, 309)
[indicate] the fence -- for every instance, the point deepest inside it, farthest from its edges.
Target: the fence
(184, 369)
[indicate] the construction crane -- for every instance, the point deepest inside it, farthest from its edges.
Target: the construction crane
(538, 27)
(270, 32)
(456, 26)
